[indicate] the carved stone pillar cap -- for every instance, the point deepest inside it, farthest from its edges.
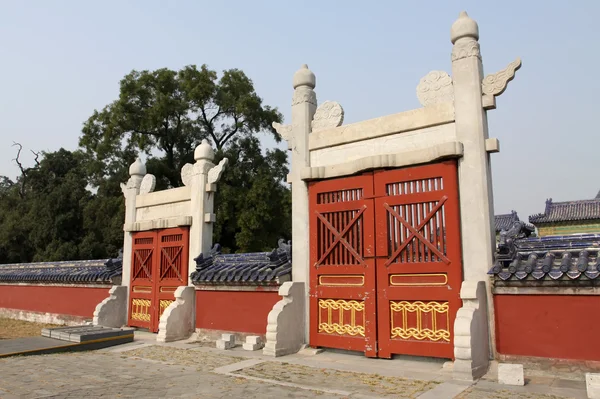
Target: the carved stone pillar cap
(137, 168)
(464, 26)
(304, 77)
(204, 152)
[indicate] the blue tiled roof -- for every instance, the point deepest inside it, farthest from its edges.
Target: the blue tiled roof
(552, 257)
(505, 221)
(568, 211)
(102, 271)
(258, 268)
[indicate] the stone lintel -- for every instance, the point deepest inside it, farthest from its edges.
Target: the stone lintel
(158, 224)
(416, 119)
(437, 152)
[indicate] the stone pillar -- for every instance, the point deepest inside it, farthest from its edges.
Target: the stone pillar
(137, 171)
(200, 232)
(202, 178)
(304, 106)
(474, 174)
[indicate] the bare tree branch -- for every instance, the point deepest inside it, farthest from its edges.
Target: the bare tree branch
(37, 156)
(21, 168)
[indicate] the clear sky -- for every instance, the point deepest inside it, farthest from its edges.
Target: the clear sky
(63, 59)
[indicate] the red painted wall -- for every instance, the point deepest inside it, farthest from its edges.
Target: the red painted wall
(551, 326)
(235, 311)
(73, 301)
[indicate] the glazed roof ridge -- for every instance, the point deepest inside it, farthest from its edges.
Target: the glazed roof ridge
(98, 271)
(254, 268)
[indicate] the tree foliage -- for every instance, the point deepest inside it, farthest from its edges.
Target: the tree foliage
(169, 112)
(69, 205)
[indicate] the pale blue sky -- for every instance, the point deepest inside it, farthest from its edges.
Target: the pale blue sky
(62, 59)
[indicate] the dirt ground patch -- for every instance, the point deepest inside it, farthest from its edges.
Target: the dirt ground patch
(392, 387)
(203, 361)
(478, 393)
(10, 328)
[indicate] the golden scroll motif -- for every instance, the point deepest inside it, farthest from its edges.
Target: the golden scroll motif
(330, 327)
(429, 309)
(140, 309)
(164, 304)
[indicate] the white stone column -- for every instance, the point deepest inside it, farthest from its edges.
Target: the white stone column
(204, 155)
(475, 186)
(137, 171)
(304, 106)
(202, 178)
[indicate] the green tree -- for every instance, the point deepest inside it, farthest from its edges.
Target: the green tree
(167, 113)
(253, 206)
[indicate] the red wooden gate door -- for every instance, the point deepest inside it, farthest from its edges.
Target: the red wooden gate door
(142, 280)
(342, 275)
(419, 271)
(173, 247)
(385, 261)
(159, 266)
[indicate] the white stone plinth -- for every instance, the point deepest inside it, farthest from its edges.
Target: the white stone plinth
(227, 341)
(511, 374)
(592, 384)
(253, 343)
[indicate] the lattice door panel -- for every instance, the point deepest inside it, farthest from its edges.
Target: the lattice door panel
(419, 271)
(173, 266)
(342, 275)
(141, 301)
(159, 266)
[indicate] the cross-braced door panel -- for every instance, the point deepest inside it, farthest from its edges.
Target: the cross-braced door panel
(159, 265)
(342, 266)
(173, 247)
(419, 269)
(141, 288)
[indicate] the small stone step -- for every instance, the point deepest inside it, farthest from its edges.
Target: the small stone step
(227, 341)
(253, 343)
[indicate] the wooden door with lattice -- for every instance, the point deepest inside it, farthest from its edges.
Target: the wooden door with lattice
(173, 265)
(342, 274)
(385, 261)
(419, 267)
(141, 288)
(159, 265)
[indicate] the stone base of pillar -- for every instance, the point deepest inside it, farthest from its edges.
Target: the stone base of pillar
(112, 311)
(177, 321)
(285, 323)
(471, 334)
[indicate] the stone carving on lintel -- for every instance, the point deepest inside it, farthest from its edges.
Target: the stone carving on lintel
(435, 88)
(330, 114)
(495, 84)
(148, 184)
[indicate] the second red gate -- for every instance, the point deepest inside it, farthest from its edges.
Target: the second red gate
(159, 266)
(385, 261)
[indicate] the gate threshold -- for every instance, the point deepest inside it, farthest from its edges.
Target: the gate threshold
(66, 339)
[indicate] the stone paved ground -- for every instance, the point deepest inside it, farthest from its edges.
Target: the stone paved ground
(192, 371)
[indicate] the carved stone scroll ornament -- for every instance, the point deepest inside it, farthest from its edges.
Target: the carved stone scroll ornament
(214, 174)
(330, 114)
(434, 88)
(495, 84)
(304, 96)
(148, 184)
(186, 174)
(466, 49)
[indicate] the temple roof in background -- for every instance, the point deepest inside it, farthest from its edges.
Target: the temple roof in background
(568, 211)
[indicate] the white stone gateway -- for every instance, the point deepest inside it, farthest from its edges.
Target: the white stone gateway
(451, 124)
